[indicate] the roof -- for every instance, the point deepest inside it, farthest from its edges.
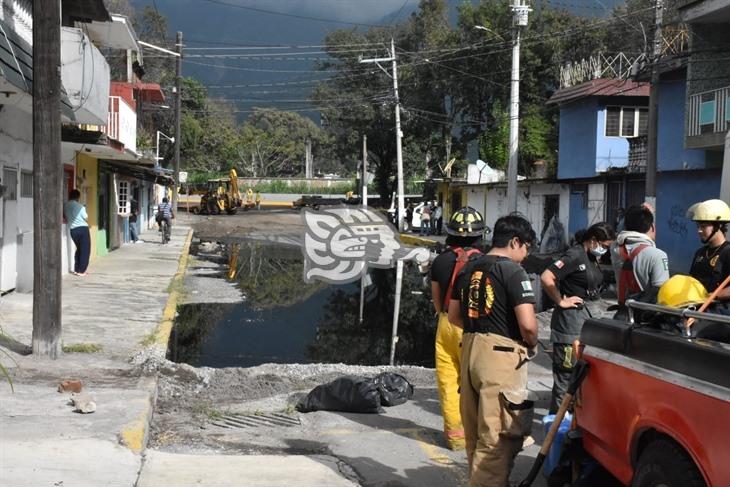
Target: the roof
(599, 87)
(149, 92)
(705, 11)
(85, 11)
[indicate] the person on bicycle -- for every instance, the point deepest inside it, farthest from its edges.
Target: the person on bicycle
(165, 213)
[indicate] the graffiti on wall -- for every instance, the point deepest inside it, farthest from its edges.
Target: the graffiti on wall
(677, 221)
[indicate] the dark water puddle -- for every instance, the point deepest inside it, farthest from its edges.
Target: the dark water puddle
(284, 320)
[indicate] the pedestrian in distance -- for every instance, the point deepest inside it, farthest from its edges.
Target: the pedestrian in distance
(639, 266)
(425, 220)
(711, 262)
(409, 216)
(436, 219)
(165, 214)
(258, 199)
(77, 220)
(465, 229)
(133, 212)
(573, 283)
(494, 302)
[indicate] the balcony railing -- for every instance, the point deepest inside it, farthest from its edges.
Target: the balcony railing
(709, 112)
(122, 123)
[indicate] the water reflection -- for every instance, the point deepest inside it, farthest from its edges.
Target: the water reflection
(284, 320)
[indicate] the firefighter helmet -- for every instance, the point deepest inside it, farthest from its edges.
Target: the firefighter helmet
(466, 222)
(681, 291)
(709, 211)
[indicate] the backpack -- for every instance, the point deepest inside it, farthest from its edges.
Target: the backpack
(627, 283)
(462, 257)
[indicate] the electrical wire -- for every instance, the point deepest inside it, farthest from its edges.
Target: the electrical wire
(296, 16)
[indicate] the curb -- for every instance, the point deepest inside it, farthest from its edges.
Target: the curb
(136, 433)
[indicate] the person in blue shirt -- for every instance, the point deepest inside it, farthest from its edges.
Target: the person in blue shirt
(77, 220)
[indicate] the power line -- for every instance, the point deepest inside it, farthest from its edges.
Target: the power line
(296, 16)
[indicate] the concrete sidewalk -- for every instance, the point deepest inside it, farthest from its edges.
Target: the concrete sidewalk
(124, 307)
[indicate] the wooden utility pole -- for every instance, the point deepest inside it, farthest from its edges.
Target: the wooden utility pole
(651, 147)
(178, 108)
(47, 178)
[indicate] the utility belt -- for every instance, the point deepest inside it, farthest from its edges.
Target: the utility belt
(485, 329)
(592, 296)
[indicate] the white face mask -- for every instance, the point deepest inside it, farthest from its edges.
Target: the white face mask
(599, 251)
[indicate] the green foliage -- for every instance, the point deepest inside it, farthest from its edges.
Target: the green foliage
(82, 348)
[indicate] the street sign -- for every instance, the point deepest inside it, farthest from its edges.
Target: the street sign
(183, 176)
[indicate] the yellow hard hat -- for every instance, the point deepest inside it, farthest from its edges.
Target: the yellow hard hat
(681, 291)
(709, 211)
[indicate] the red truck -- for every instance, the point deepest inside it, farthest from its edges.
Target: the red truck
(654, 408)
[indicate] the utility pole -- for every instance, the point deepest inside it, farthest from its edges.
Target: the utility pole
(520, 11)
(47, 178)
(398, 132)
(308, 162)
(651, 149)
(178, 108)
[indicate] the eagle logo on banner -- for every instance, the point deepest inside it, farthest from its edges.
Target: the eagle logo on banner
(341, 243)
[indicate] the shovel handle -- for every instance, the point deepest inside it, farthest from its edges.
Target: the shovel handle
(579, 373)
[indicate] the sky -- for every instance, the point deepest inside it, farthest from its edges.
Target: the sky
(255, 75)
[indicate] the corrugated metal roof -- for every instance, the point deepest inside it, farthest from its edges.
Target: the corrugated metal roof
(599, 87)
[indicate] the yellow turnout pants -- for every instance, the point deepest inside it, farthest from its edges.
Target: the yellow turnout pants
(494, 407)
(448, 363)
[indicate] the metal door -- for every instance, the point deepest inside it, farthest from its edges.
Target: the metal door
(9, 258)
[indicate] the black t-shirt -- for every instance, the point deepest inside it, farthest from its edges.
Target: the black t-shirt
(489, 288)
(577, 273)
(443, 268)
(711, 266)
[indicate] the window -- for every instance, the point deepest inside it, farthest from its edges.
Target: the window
(10, 181)
(26, 184)
(626, 121)
(613, 121)
(123, 197)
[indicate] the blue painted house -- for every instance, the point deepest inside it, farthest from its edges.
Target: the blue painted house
(602, 154)
(602, 147)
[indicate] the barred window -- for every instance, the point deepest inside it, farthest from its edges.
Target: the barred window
(10, 181)
(26, 184)
(123, 197)
(613, 121)
(626, 121)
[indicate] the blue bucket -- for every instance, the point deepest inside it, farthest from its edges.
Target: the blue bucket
(553, 457)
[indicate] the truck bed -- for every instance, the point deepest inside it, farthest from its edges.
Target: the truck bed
(647, 380)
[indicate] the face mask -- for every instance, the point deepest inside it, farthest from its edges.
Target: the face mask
(599, 251)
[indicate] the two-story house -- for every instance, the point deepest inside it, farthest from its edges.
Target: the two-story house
(602, 147)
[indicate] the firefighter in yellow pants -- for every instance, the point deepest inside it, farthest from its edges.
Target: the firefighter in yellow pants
(448, 358)
(494, 302)
(465, 228)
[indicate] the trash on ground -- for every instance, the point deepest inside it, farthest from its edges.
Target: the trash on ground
(358, 394)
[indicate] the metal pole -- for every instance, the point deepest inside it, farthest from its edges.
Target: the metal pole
(514, 116)
(364, 192)
(396, 309)
(157, 150)
(178, 107)
(47, 178)
(364, 202)
(651, 149)
(398, 145)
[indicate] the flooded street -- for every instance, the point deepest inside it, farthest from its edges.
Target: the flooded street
(280, 319)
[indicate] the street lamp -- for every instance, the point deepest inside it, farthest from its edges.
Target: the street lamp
(487, 29)
(157, 146)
